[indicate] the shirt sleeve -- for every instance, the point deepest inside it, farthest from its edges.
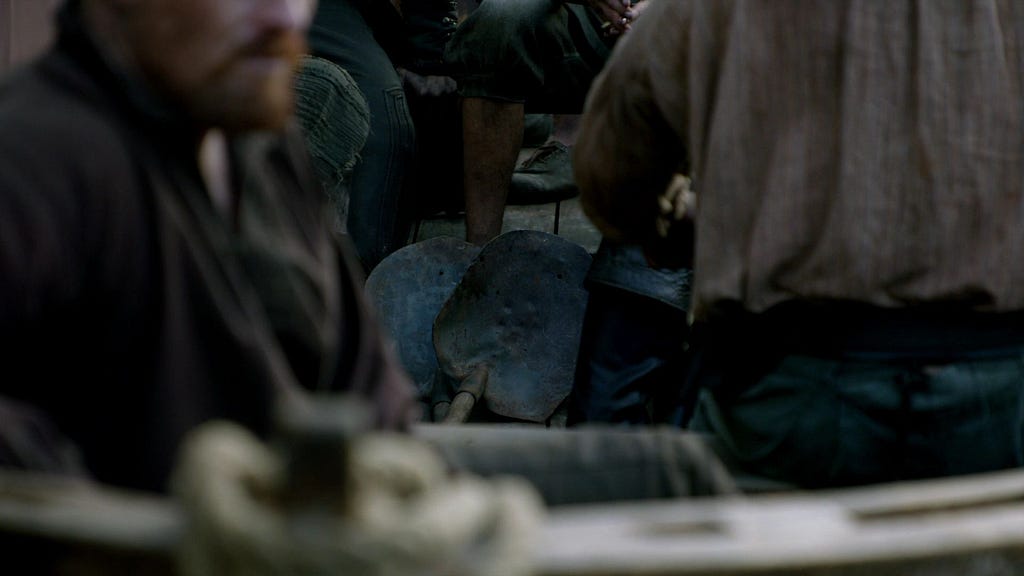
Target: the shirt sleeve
(632, 136)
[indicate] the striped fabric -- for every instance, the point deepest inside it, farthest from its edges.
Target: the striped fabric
(335, 119)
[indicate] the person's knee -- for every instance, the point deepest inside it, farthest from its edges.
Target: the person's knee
(502, 33)
(517, 17)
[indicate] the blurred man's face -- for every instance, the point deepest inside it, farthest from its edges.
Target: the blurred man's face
(228, 63)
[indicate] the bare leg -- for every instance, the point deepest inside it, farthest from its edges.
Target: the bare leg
(492, 133)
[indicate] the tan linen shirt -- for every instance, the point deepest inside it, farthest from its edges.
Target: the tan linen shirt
(866, 150)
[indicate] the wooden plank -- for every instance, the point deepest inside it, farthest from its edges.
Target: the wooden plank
(972, 525)
(83, 516)
(967, 526)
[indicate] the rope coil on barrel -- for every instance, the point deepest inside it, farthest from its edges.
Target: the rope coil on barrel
(401, 513)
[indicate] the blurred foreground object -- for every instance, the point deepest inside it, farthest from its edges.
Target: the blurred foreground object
(26, 29)
(400, 513)
(969, 526)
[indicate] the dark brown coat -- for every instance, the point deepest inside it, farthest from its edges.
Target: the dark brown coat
(130, 309)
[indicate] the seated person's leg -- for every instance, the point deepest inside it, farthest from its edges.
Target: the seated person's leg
(492, 133)
(631, 348)
(508, 56)
(380, 215)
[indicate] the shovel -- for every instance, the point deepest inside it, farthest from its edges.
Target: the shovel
(408, 289)
(509, 333)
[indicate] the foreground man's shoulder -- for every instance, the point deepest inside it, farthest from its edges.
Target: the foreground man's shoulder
(35, 106)
(64, 167)
(55, 125)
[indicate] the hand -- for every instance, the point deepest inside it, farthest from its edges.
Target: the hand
(618, 15)
(677, 203)
(671, 246)
(426, 85)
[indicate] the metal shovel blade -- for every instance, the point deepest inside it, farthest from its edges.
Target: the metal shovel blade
(516, 317)
(408, 288)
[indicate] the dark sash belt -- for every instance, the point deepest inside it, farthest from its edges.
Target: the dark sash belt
(736, 349)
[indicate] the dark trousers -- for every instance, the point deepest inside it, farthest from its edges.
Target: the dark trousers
(540, 52)
(844, 395)
(630, 358)
(381, 208)
(630, 355)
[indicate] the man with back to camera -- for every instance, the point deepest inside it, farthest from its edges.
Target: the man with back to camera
(859, 169)
(165, 257)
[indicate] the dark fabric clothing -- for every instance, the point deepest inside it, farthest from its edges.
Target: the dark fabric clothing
(413, 33)
(381, 203)
(624, 266)
(429, 25)
(823, 422)
(130, 309)
(827, 394)
(543, 53)
(630, 357)
(335, 120)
